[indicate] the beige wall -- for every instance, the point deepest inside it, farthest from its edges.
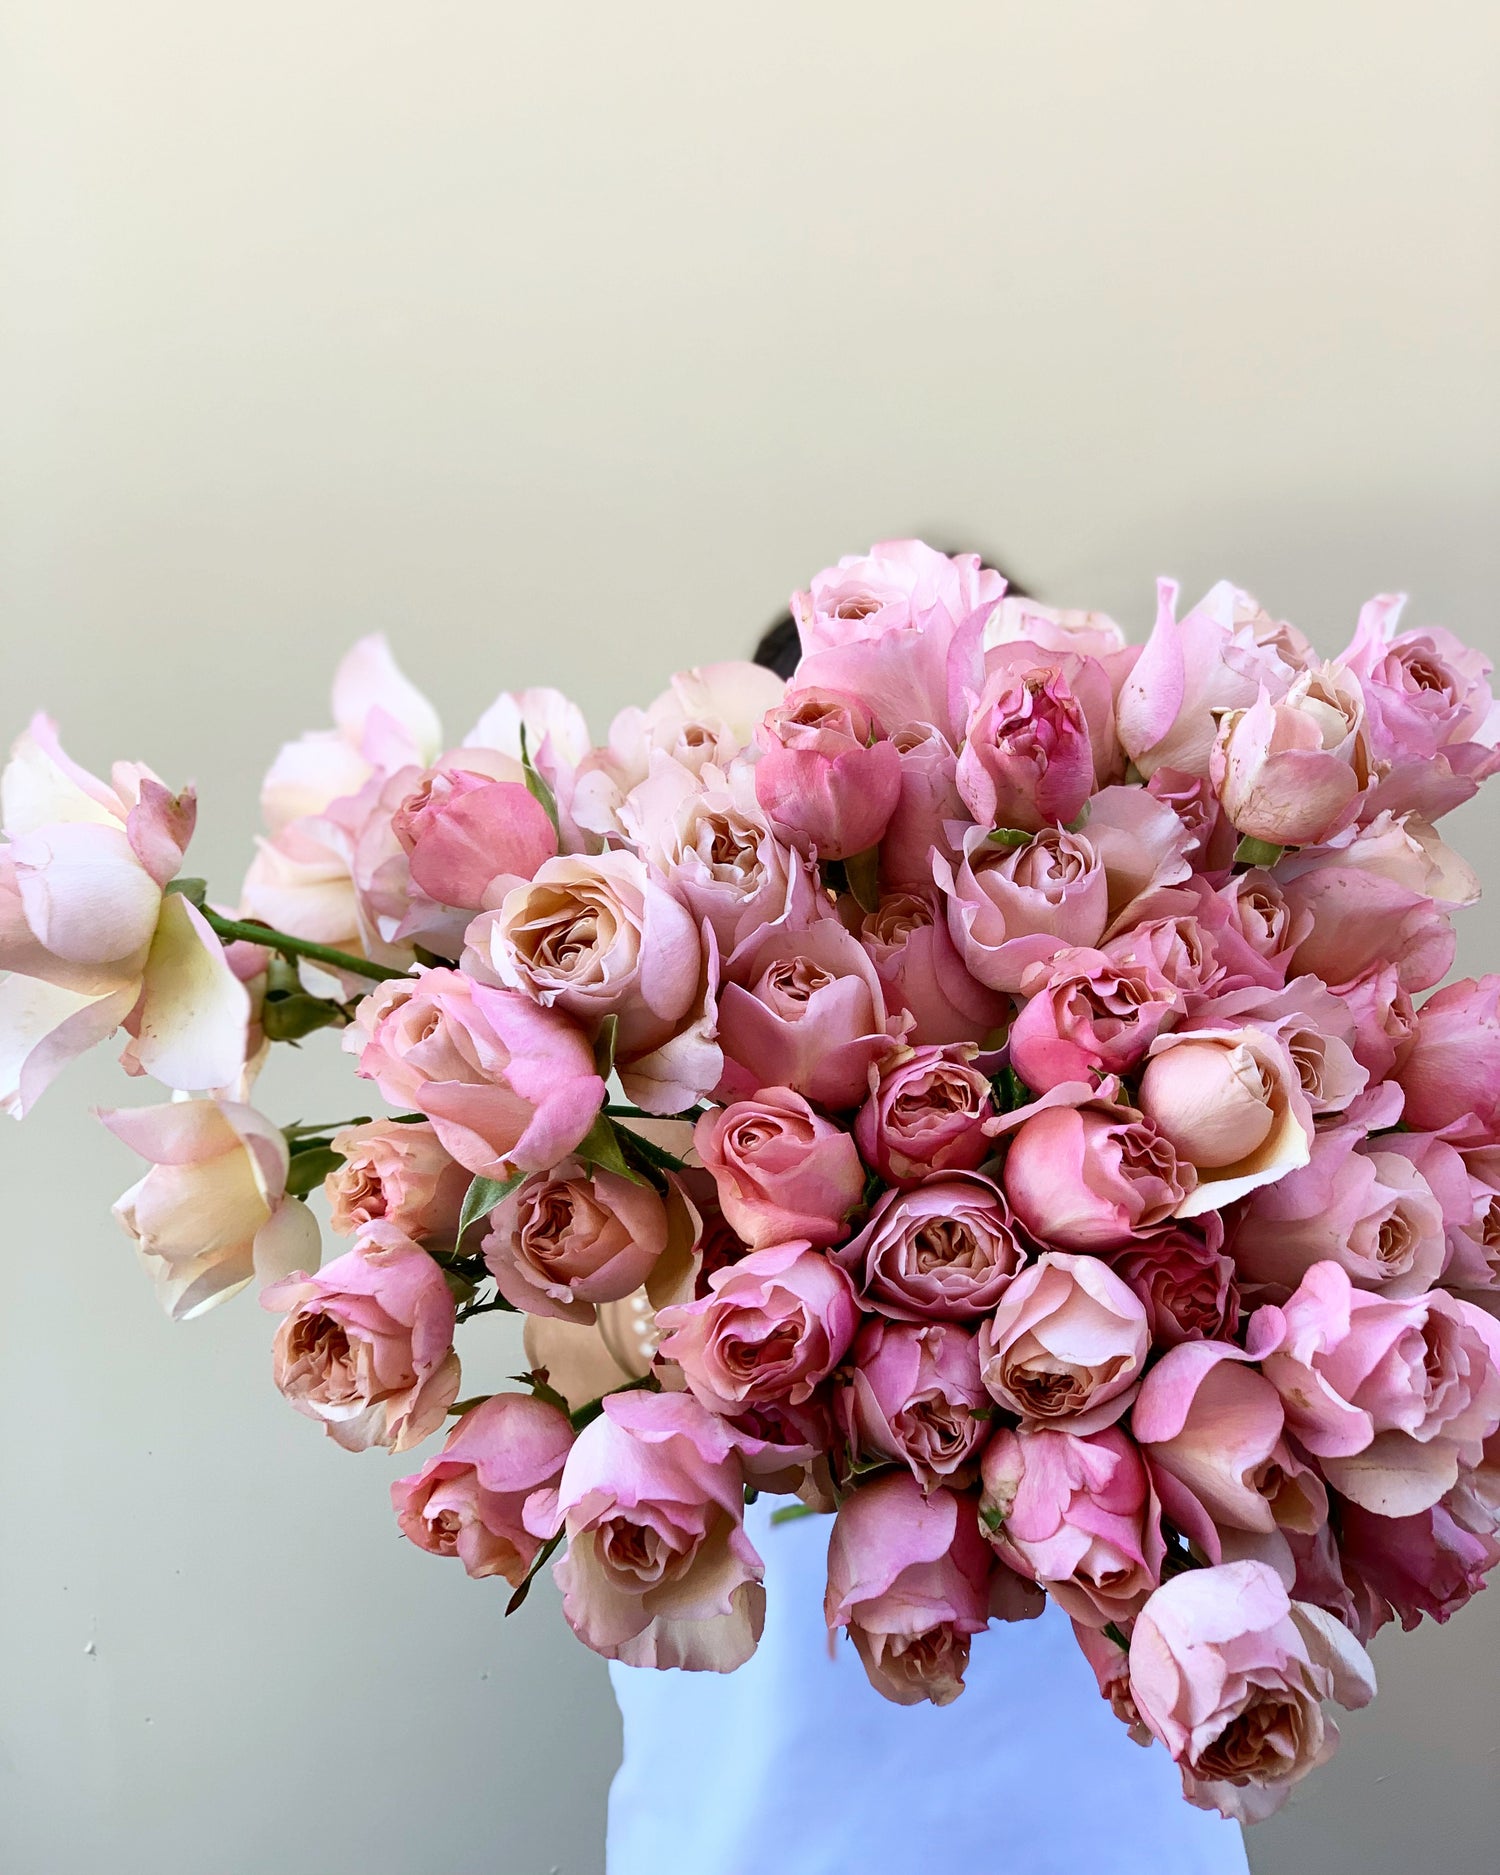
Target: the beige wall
(560, 342)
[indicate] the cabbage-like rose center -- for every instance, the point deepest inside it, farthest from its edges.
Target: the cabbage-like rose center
(790, 985)
(1263, 1742)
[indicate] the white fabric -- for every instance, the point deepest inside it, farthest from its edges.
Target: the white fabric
(795, 1764)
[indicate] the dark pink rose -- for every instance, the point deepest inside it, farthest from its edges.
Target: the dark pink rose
(1451, 1065)
(921, 971)
(805, 1010)
(772, 1327)
(943, 1252)
(1066, 1345)
(1077, 1515)
(824, 777)
(659, 1571)
(367, 1343)
(1087, 1013)
(570, 1238)
(1029, 758)
(926, 1115)
(1184, 1281)
(782, 1171)
(490, 1495)
(914, 1395)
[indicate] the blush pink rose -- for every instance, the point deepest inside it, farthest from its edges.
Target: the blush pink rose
(507, 1085)
(1255, 933)
(659, 1571)
(572, 1237)
(367, 1343)
(1231, 1675)
(909, 1578)
(1087, 1013)
(1360, 920)
(398, 1173)
(772, 1327)
(1066, 1345)
(1290, 772)
(1451, 1065)
(1185, 1282)
(1077, 1515)
(462, 830)
(944, 1252)
(825, 778)
(928, 801)
(1193, 800)
(805, 1010)
(914, 1395)
(489, 1497)
(925, 1115)
(782, 1170)
(1094, 1175)
(1010, 907)
(1029, 758)
(1392, 1397)
(919, 967)
(896, 586)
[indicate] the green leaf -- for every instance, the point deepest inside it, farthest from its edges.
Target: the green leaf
(1257, 853)
(537, 786)
(540, 1382)
(791, 1513)
(862, 870)
(481, 1198)
(1010, 1091)
(1009, 836)
(288, 1018)
(1078, 824)
(600, 1146)
(604, 1047)
(532, 1573)
(309, 1166)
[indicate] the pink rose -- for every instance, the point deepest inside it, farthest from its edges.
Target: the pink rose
(1290, 772)
(1391, 1397)
(782, 1171)
(1091, 1176)
(824, 777)
(909, 1578)
(1087, 1013)
(1355, 1204)
(927, 802)
(1212, 1431)
(1078, 1516)
(1254, 931)
(1316, 1027)
(367, 1343)
(1178, 953)
(399, 1173)
(1361, 920)
(921, 971)
(1383, 1016)
(944, 1252)
(572, 1237)
(805, 1010)
(1231, 1675)
(212, 1214)
(772, 1327)
(1463, 1171)
(659, 1571)
(507, 1085)
(1066, 1344)
(1231, 1103)
(1405, 1567)
(1193, 800)
(462, 830)
(1061, 628)
(894, 587)
(489, 1497)
(1185, 1282)
(1451, 1066)
(926, 1115)
(914, 1395)
(1040, 738)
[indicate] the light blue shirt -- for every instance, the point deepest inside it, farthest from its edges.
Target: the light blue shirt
(795, 1764)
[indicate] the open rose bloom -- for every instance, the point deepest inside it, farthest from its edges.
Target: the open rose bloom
(999, 1086)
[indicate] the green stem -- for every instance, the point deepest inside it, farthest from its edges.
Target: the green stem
(234, 930)
(619, 1111)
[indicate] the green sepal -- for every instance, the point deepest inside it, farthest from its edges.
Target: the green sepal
(1009, 836)
(481, 1198)
(195, 891)
(991, 1518)
(862, 874)
(1257, 853)
(604, 1047)
(600, 1146)
(790, 1513)
(1114, 1634)
(538, 789)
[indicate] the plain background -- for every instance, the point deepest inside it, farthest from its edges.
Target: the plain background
(560, 343)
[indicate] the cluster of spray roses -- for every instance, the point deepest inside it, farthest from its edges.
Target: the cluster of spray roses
(976, 1087)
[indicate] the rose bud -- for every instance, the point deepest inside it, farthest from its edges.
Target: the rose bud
(926, 1115)
(1289, 773)
(782, 1171)
(771, 1328)
(1087, 1014)
(399, 1172)
(212, 1214)
(1078, 1516)
(805, 1010)
(1230, 1674)
(508, 1086)
(944, 1252)
(659, 1571)
(496, 1477)
(1185, 1282)
(1451, 1066)
(367, 1343)
(909, 1578)
(915, 1396)
(1093, 1177)
(824, 777)
(1066, 1344)
(908, 941)
(578, 1235)
(927, 803)
(1029, 755)
(463, 830)
(1231, 1103)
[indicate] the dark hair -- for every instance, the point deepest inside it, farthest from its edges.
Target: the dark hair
(779, 647)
